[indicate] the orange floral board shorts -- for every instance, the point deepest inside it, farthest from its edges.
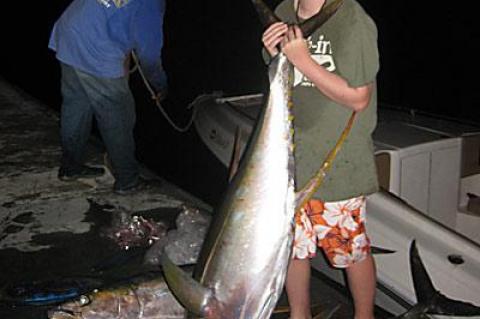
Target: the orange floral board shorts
(337, 227)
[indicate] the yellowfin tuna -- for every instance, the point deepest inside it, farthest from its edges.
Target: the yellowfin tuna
(243, 263)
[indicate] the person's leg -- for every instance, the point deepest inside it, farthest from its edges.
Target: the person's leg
(75, 121)
(298, 288)
(347, 246)
(362, 283)
(299, 272)
(114, 110)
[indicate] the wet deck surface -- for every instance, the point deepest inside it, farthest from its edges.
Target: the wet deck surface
(52, 231)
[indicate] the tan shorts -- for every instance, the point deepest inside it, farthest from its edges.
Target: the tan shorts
(337, 227)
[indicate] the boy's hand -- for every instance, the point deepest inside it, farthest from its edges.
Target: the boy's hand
(294, 46)
(273, 36)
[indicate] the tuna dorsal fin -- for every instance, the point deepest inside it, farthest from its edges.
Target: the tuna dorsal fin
(190, 293)
(314, 22)
(429, 298)
(235, 160)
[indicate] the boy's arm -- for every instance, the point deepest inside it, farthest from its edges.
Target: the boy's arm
(332, 85)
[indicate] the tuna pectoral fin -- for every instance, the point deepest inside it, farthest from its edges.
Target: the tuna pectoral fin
(190, 293)
(327, 313)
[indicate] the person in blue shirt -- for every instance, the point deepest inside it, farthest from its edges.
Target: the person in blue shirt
(93, 40)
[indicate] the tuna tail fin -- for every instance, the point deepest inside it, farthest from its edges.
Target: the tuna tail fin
(267, 17)
(265, 14)
(191, 294)
(429, 299)
(304, 195)
(314, 22)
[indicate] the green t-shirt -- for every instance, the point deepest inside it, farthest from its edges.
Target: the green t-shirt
(345, 45)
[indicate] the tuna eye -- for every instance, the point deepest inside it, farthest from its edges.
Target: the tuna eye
(456, 259)
(84, 300)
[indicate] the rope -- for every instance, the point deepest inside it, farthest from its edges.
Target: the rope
(304, 195)
(155, 97)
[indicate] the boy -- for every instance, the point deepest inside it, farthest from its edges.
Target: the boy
(335, 71)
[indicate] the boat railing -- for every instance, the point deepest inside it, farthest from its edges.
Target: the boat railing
(242, 100)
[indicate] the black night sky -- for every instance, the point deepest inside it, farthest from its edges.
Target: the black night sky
(428, 52)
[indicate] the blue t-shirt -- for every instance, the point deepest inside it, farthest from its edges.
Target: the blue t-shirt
(96, 35)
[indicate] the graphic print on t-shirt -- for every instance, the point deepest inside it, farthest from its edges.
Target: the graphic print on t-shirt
(321, 52)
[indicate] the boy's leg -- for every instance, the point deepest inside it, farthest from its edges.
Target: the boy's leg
(299, 273)
(362, 282)
(298, 288)
(342, 236)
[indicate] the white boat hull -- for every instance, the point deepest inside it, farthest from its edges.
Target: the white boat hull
(392, 224)
(451, 259)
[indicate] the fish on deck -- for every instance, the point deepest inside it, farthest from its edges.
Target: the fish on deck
(144, 297)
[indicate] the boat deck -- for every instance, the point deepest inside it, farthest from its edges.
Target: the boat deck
(52, 230)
